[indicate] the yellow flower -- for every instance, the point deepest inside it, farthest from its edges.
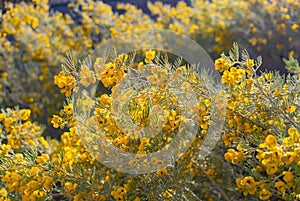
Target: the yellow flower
(150, 55)
(35, 170)
(38, 193)
(259, 168)
(25, 114)
(270, 141)
(193, 78)
(276, 92)
(68, 109)
(253, 41)
(288, 176)
(121, 190)
(246, 185)
(250, 63)
(107, 81)
(294, 27)
(159, 76)
(5, 147)
(290, 157)
(291, 53)
(268, 76)
(168, 193)
(271, 168)
(56, 121)
(48, 183)
(105, 100)
(248, 181)
(33, 185)
(110, 75)
(229, 155)
(2, 117)
(70, 187)
(3, 192)
(291, 108)
(162, 172)
(140, 64)
(7, 123)
(35, 22)
(280, 185)
(65, 82)
(222, 64)
(294, 135)
(42, 158)
(119, 193)
(265, 194)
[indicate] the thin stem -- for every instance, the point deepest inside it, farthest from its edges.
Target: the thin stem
(219, 189)
(192, 193)
(273, 103)
(253, 122)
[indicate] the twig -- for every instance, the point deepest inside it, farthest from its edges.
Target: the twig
(280, 111)
(253, 122)
(219, 189)
(192, 193)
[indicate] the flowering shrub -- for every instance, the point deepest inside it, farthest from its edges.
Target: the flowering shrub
(261, 138)
(41, 38)
(262, 127)
(257, 157)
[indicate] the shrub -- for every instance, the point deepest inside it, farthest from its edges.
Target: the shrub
(256, 158)
(260, 142)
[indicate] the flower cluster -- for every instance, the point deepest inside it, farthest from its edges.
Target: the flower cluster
(38, 42)
(65, 83)
(262, 129)
(19, 132)
(257, 157)
(41, 37)
(263, 144)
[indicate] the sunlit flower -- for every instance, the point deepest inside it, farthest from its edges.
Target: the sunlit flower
(265, 194)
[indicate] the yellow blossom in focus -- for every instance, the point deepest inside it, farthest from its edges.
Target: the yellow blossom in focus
(222, 64)
(68, 109)
(70, 187)
(265, 194)
(280, 186)
(271, 168)
(150, 55)
(25, 113)
(288, 176)
(65, 82)
(250, 63)
(270, 142)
